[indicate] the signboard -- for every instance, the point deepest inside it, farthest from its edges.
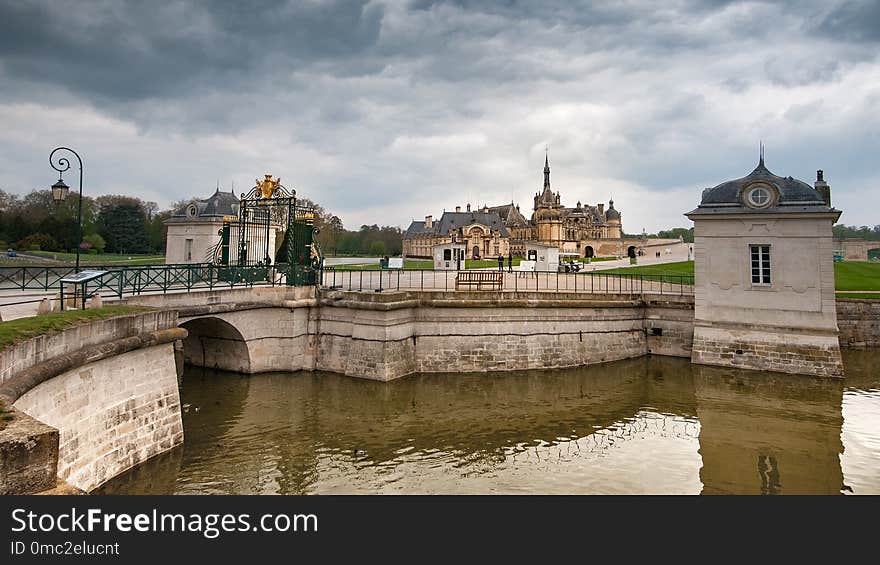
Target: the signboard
(82, 276)
(395, 263)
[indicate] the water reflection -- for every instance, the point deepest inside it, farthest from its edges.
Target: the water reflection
(649, 425)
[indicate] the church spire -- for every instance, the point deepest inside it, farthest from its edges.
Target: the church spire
(546, 171)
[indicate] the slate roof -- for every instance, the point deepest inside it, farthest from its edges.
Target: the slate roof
(510, 215)
(794, 195)
(450, 220)
(217, 205)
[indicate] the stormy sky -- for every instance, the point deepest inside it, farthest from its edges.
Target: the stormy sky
(384, 111)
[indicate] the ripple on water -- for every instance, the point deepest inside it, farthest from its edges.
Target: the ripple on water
(614, 428)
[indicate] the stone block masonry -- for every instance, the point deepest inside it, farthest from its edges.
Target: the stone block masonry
(110, 415)
(778, 350)
(859, 322)
(391, 335)
(28, 455)
(89, 402)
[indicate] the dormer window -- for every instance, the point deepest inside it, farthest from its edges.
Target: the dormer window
(759, 195)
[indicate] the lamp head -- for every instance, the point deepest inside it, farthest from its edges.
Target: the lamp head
(59, 191)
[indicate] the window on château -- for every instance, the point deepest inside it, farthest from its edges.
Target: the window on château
(760, 264)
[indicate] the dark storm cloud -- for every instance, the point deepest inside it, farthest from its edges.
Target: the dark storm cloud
(857, 20)
(132, 50)
(363, 102)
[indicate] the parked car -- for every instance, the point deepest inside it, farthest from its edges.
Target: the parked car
(11, 253)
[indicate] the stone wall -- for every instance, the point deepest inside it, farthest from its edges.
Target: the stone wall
(89, 402)
(389, 335)
(26, 354)
(110, 415)
(779, 350)
(859, 322)
(28, 455)
(669, 325)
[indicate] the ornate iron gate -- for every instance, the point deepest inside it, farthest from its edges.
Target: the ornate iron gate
(249, 251)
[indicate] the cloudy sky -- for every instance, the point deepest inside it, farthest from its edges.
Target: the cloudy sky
(384, 111)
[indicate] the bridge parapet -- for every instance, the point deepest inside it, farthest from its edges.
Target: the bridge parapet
(92, 400)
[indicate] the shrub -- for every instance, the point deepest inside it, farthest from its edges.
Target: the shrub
(38, 242)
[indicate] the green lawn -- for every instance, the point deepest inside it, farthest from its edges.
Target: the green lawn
(100, 258)
(857, 275)
(848, 275)
(681, 268)
(23, 328)
(860, 295)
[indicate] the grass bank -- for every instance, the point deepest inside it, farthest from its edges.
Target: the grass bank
(55, 259)
(848, 275)
(21, 329)
(666, 271)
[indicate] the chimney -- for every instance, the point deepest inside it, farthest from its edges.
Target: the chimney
(822, 187)
(601, 207)
(469, 207)
(458, 209)
(429, 222)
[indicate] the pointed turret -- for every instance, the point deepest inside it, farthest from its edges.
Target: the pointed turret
(546, 172)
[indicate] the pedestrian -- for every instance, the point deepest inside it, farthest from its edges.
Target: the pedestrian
(509, 261)
(500, 262)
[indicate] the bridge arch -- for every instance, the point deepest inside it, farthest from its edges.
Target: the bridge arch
(215, 343)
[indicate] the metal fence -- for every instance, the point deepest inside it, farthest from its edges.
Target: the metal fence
(595, 282)
(131, 280)
(144, 278)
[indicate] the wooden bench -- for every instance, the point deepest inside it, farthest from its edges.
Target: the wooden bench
(479, 280)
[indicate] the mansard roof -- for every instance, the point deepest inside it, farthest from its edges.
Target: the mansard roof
(453, 220)
(450, 220)
(217, 205)
(793, 195)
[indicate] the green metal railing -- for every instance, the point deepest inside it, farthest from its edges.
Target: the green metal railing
(131, 280)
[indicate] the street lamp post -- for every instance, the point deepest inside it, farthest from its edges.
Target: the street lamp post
(60, 190)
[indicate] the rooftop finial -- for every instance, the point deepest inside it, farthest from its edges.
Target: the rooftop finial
(761, 153)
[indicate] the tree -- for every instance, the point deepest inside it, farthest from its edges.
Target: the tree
(377, 248)
(158, 231)
(122, 224)
(687, 234)
(95, 241)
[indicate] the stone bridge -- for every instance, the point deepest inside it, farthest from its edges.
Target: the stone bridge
(387, 335)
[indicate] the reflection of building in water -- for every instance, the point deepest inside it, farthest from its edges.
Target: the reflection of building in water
(627, 426)
(768, 434)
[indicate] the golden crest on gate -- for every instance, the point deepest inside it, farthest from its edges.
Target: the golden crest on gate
(268, 186)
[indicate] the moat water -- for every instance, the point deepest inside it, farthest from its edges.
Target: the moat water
(643, 426)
